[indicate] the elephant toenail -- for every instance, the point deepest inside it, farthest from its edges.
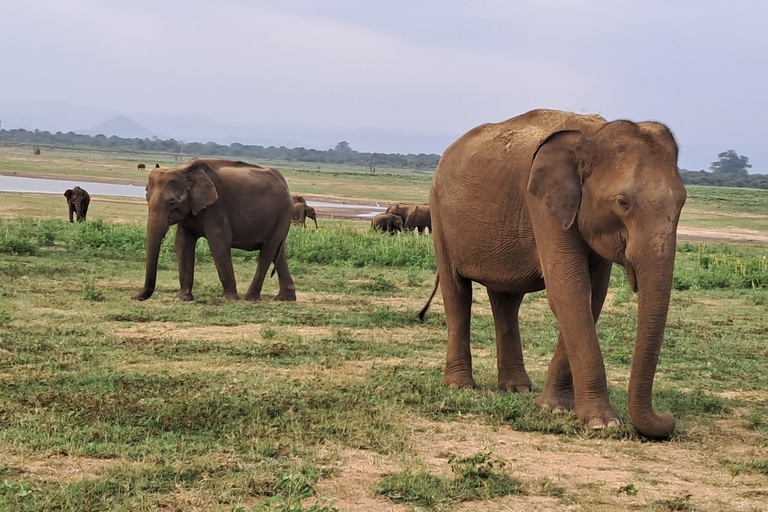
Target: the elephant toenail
(560, 410)
(523, 389)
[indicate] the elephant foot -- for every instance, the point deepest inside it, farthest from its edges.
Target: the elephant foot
(515, 381)
(231, 295)
(287, 296)
(185, 296)
(558, 401)
(598, 418)
(458, 381)
(253, 298)
(144, 294)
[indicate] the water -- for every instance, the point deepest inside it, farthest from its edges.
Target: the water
(48, 186)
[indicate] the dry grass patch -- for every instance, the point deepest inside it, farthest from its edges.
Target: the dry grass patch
(65, 468)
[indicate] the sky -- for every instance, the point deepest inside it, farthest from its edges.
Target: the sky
(379, 74)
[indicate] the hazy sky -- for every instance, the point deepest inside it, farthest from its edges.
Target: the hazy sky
(423, 67)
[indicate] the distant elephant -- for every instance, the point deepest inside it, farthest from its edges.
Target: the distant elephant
(141, 167)
(300, 213)
(231, 204)
(399, 209)
(77, 202)
(387, 223)
(557, 198)
(418, 217)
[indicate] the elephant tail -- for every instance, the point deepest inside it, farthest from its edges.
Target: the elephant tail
(429, 301)
(274, 261)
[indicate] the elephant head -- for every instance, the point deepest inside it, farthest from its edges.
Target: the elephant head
(620, 188)
(173, 195)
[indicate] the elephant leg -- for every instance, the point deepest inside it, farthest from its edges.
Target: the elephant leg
(287, 287)
(85, 208)
(266, 257)
(558, 394)
(457, 298)
(185, 257)
(221, 250)
(71, 211)
(509, 351)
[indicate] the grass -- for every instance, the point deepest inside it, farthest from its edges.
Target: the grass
(334, 402)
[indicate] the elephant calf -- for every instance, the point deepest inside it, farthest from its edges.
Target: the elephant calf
(77, 202)
(387, 223)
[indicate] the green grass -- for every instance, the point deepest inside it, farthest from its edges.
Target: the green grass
(228, 405)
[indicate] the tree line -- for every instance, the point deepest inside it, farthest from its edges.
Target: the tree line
(729, 170)
(342, 154)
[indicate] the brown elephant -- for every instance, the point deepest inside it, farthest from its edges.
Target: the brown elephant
(298, 199)
(557, 198)
(77, 202)
(141, 167)
(301, 212)
(399, 209)
(231, 204)
(387, 223)
(418, 217)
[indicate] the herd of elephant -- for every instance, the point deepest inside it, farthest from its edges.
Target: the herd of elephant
(401, 217)
(547, 198)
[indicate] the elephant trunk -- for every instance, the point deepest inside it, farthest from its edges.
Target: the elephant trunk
(157, 227)
(79, 210)
(653, 281)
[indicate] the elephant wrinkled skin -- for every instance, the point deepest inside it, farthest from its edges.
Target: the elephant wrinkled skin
(557, 197)
(77, 202)
(231, 204)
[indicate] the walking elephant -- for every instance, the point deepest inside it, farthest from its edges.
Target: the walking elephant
(387, 223)
(301, 212)
(77, 203)
(557, 198)
(231, 204)
(417, 217)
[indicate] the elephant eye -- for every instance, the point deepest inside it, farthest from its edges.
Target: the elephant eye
(623, 202)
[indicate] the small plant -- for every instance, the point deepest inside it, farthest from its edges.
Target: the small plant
(546, 487)
(90, 292)
(629, 490)
(5, 317)
(379, 283)
(267, 332)
(291, 489)
(414, 276)
(678, 503)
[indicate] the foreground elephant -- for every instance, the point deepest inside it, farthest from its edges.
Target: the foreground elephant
(418, 217)
(557, 198)
(301, 212)
(77, 202)
(231, 204)
(387, 223)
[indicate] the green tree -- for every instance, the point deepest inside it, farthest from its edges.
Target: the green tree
(343, 147)
(729, 162)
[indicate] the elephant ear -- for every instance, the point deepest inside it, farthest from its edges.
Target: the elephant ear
(557, 172)
(68, 193)
(202, 192)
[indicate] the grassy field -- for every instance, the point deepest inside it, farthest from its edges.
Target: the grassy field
(333, 402)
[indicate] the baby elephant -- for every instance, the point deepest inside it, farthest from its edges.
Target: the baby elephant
(387, 223)
(77, 202)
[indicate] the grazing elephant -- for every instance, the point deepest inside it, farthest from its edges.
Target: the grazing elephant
(300, 213)
(141, 167)
(557, 198)
(387, 223)
(77, 202)
(399, 209)
(231, 204)
(418, 217)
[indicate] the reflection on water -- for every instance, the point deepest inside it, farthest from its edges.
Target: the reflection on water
(48, 186)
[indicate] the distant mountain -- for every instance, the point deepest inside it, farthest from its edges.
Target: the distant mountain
(122, 127)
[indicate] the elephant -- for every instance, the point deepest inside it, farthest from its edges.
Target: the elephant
(141, 167)
(387, 223)
(556, 198)
(301, 212)
(399, 209)
(417, 216)
(231, 204)
(298, 199)
(77, 202)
